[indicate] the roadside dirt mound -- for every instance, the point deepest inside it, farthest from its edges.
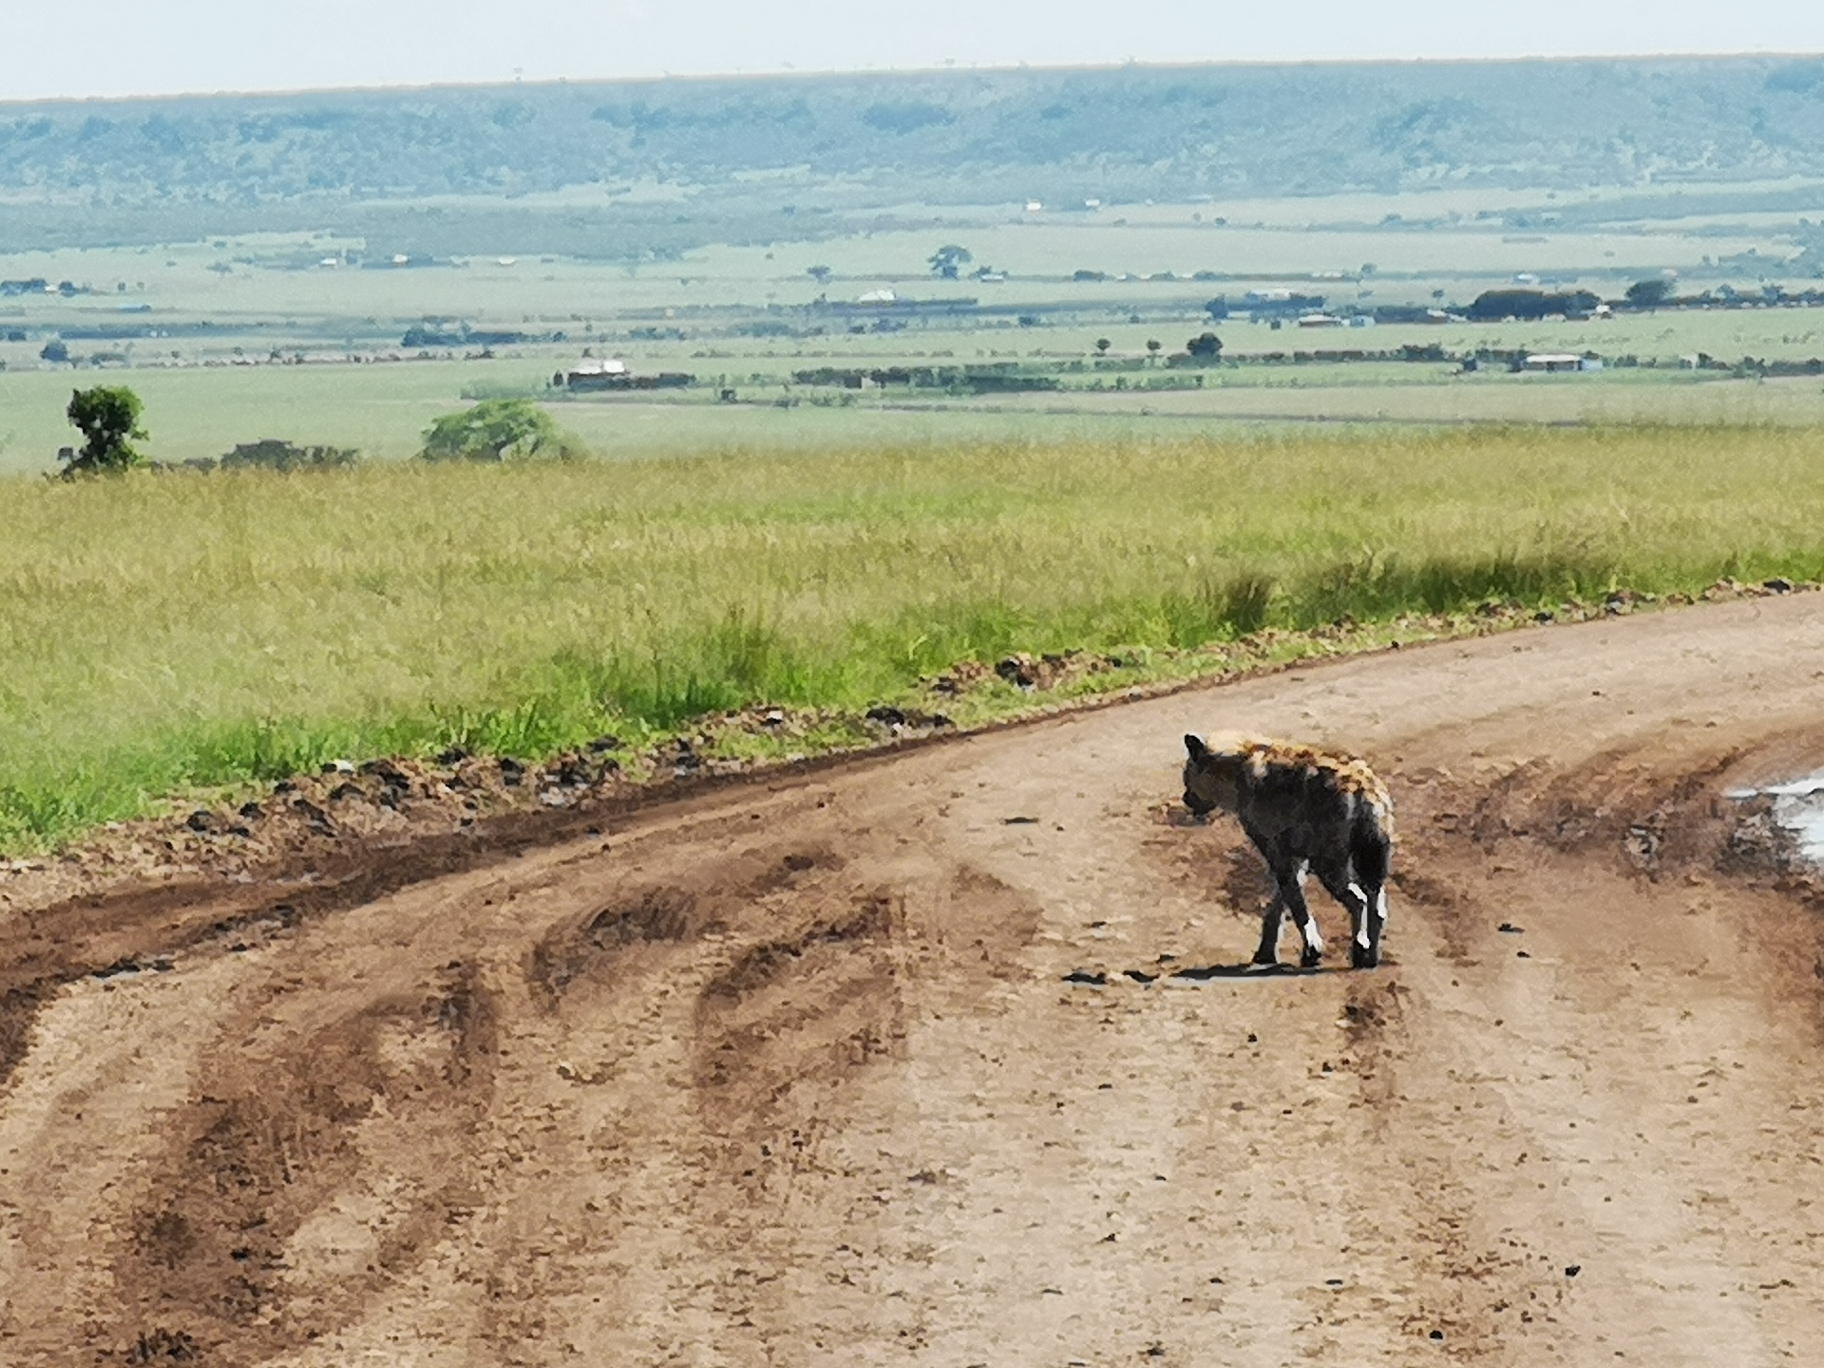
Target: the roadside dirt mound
(938, 1058)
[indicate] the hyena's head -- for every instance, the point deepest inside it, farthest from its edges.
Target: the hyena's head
(1212, 778)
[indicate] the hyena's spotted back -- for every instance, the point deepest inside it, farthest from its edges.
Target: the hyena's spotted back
(1317, 779)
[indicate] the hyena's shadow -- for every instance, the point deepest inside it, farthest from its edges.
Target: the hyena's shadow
(1247, 970)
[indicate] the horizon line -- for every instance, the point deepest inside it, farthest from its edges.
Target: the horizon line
(944, 69)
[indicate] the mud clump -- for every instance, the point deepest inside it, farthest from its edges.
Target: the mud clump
(759, 966)
(655, 916)
(165, 1346)
(1758, 843)
(1027, 673)
(660, 915)
(898, 722)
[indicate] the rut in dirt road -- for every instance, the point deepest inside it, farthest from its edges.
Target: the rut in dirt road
(791, 1073)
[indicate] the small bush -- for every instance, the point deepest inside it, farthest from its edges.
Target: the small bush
(498, 430)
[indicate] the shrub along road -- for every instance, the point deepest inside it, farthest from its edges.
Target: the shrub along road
(791, 1071)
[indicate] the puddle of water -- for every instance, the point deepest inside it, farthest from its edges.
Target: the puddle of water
(1797, 806)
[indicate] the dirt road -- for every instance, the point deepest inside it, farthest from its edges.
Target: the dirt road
(789, 1074)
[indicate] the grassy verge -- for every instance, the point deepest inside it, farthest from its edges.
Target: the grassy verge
(165, 634)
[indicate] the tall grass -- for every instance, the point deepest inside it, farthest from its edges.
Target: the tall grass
(158, 633)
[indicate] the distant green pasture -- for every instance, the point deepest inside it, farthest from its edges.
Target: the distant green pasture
(382, 410)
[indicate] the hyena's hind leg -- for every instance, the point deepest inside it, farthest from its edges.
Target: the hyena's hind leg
(1371, 855)
(1289, 895)
(1364, 938)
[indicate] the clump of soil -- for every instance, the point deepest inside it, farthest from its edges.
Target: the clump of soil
(1027, 673)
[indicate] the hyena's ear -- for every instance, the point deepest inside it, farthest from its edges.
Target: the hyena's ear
(1194, 744)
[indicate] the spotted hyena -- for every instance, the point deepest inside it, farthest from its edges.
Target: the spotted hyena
(1305, 810)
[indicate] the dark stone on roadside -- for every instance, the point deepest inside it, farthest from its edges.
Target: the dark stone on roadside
(200, 820)
(452, 755)
(1084, 976)
(342, 791)
(1437, 1334)
(602, 744)
(252, 811)
(317, 819)
(241, 831)
(511, 771)
(1544, 615)
(1572, 1270)
(1779, 584)
(1017, 671)
(338, 767)
(886, 716)
(939, 722)
(570, 770)
(1509, 929)
(388, 773)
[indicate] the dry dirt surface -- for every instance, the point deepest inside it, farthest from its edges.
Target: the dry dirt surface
(790, 1072)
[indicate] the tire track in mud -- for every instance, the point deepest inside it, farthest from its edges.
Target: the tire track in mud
(256, 1215)
(793, 1075)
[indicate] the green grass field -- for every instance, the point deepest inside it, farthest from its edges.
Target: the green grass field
(162, 633)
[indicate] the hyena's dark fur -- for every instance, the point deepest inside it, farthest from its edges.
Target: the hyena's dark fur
(1304, 809)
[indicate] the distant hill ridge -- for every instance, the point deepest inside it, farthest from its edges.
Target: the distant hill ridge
(955, 136)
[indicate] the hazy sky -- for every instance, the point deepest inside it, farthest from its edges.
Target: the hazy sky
(78, 48)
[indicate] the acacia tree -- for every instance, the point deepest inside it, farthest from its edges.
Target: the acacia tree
(947, 261)
(1205, 347)
(496, 430)
(1649, 294)
(108, 418)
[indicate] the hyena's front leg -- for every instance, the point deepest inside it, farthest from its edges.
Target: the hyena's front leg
(1289, 895)
(1293, 890)
(1267, 956)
